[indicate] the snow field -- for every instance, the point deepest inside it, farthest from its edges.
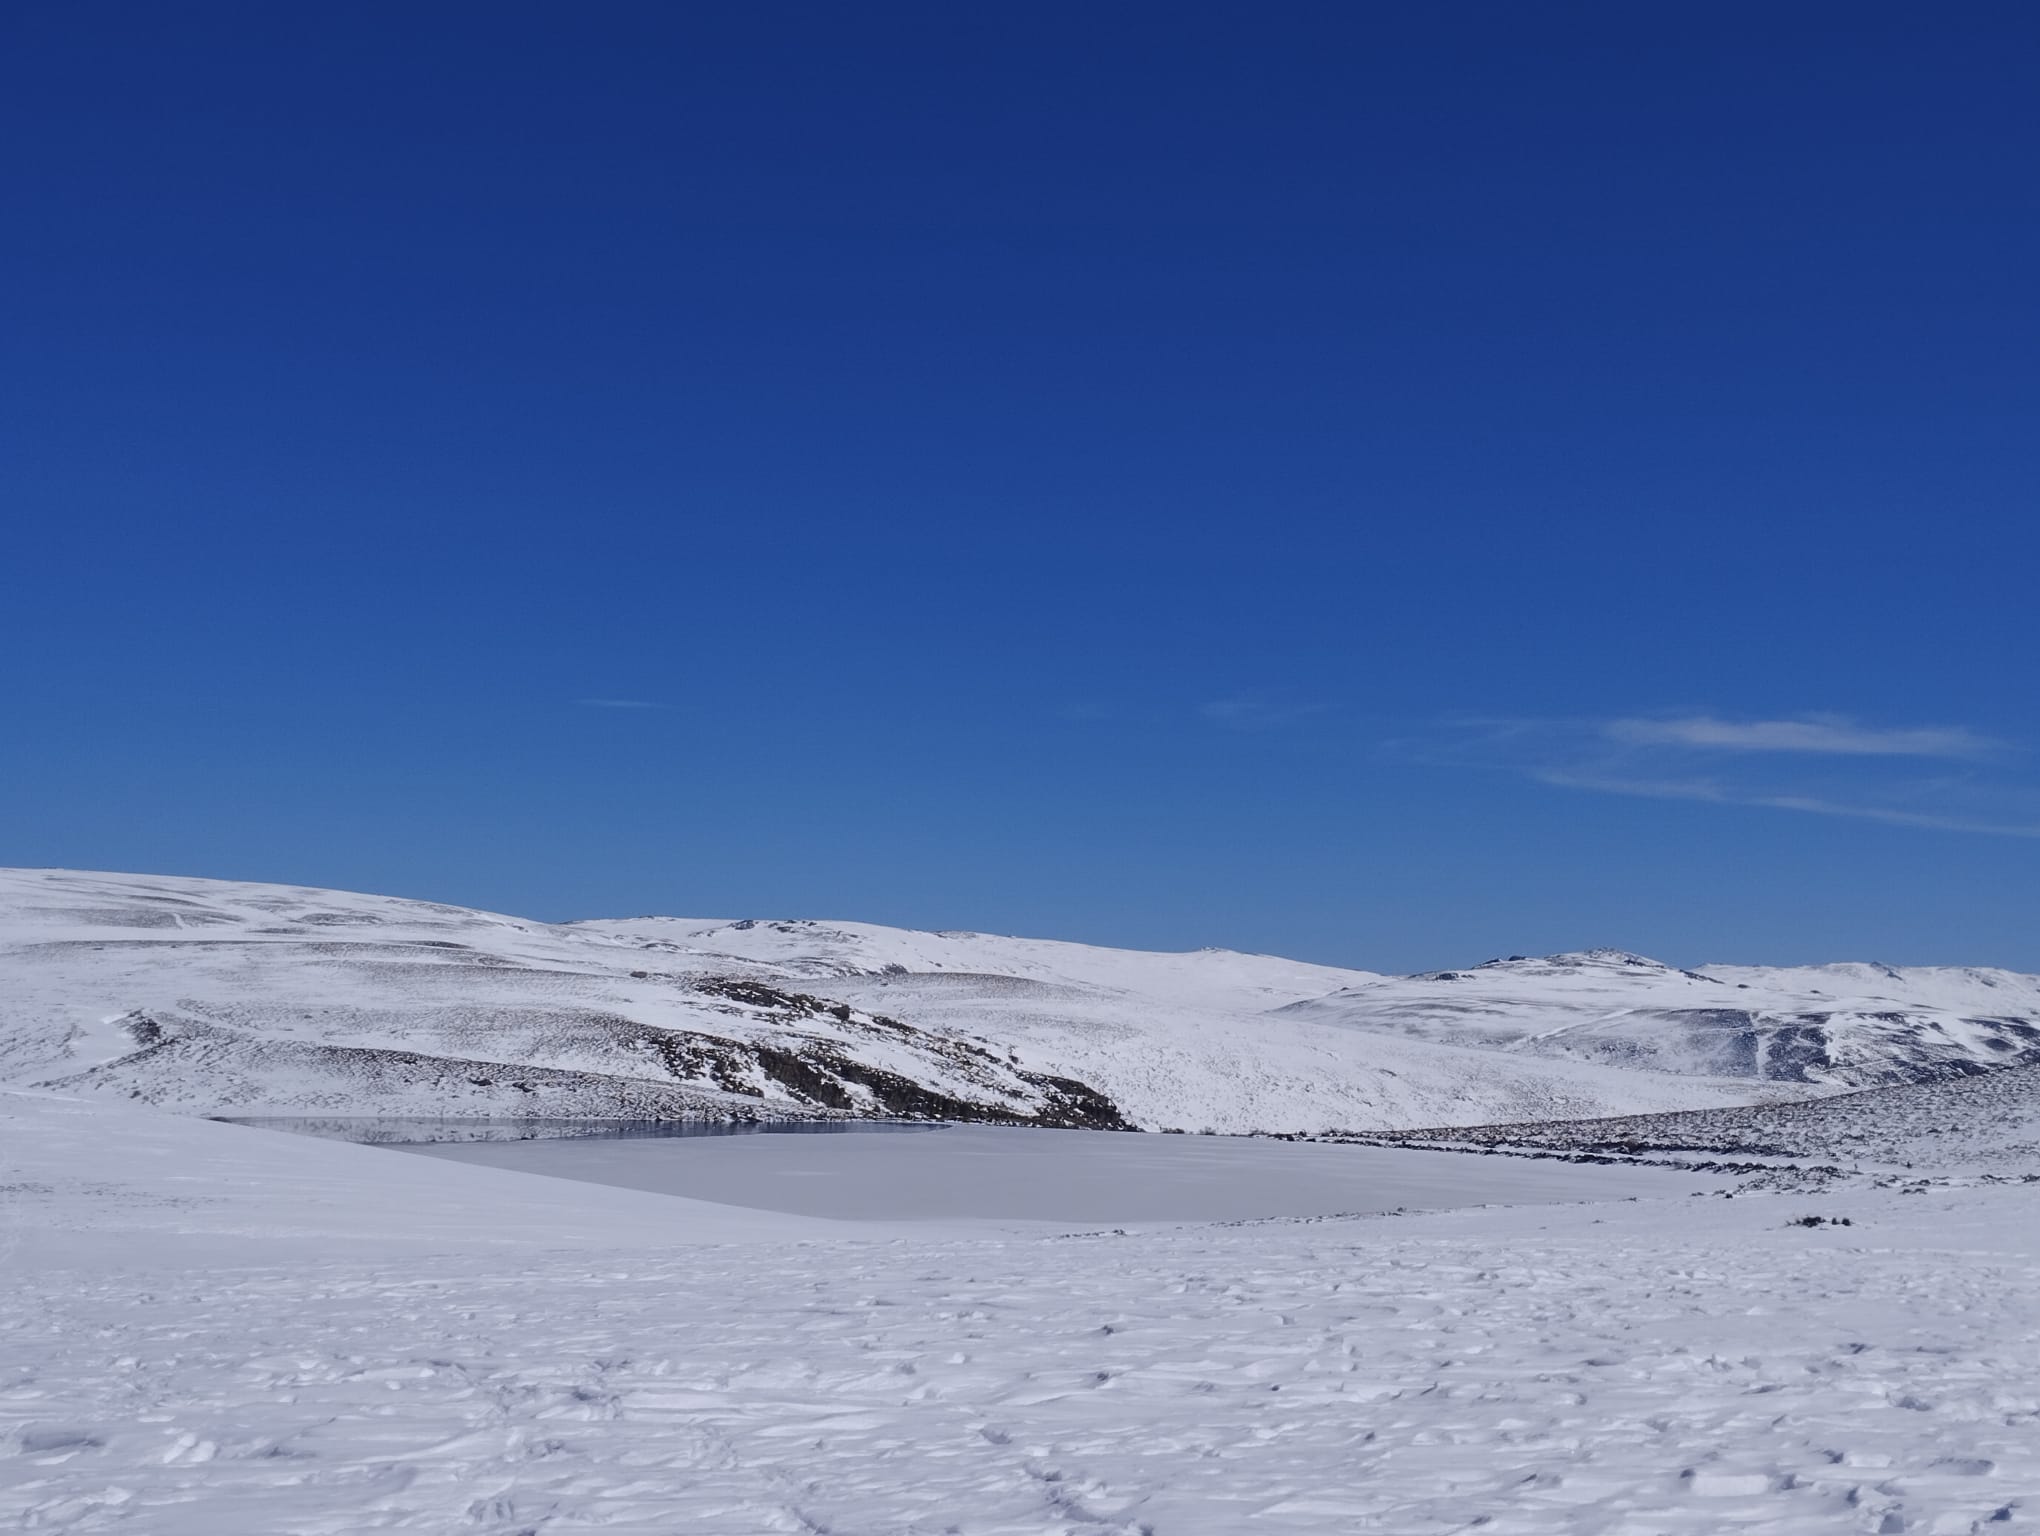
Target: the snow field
(213, 1331)
(1420, 1375)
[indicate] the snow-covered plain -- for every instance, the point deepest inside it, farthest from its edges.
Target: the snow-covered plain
(218, 1331)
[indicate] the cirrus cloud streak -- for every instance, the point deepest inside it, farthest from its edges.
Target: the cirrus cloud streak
(1815, 734)
(1939, 778)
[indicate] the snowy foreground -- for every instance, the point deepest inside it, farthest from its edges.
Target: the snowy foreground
(212, 1330)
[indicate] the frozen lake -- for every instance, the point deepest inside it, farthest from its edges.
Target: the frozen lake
(1001, 1173)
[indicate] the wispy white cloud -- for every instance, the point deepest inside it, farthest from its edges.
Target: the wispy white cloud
(1820, 765)
(1898, 818)
(1718, 794)
(621, 704)
(1817, 734)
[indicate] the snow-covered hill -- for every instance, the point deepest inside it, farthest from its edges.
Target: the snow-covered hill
(1850, 1025)
(1986, 1126)
(223, 998)
(226, 998)
(1205, 978)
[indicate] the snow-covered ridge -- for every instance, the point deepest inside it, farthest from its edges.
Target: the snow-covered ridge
(1845, 1025)
(227, 998)
(1221, 978)
(1961, 1127)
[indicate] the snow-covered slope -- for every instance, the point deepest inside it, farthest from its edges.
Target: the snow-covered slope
(223, 998)
(228, 998)
(1206, 978)
(1845, 1025)
(1177, 1041)
(1194, 1068)
(1983, 1126)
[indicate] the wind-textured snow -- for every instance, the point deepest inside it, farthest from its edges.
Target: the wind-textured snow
(216, 1331)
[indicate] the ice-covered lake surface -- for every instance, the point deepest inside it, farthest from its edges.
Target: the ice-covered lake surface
(1005, 1173)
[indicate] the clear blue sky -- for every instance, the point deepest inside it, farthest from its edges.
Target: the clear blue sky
(1393, 484)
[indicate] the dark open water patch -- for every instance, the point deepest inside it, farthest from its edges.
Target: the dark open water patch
(426, 1130)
